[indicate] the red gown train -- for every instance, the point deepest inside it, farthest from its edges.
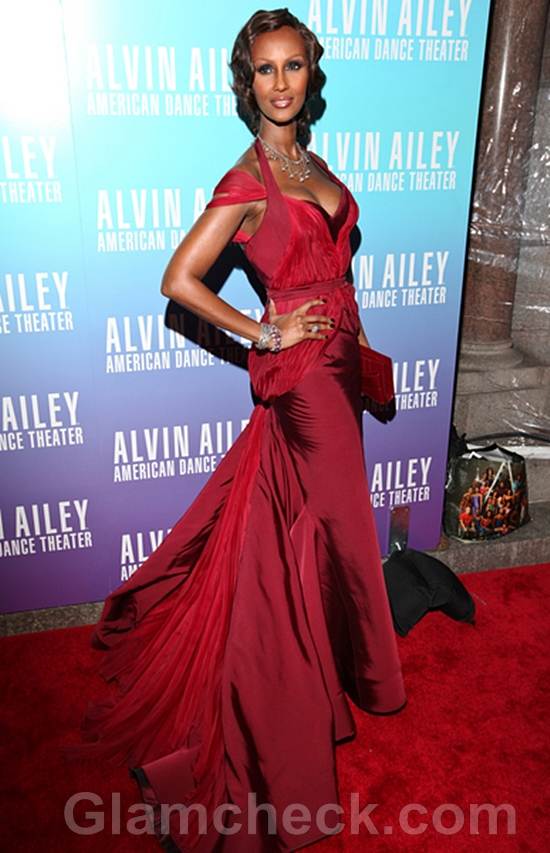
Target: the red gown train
(233, 649)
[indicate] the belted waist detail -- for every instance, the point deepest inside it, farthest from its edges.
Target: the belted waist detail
(314, 288)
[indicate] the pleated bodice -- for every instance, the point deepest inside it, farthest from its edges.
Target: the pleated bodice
(298, 252)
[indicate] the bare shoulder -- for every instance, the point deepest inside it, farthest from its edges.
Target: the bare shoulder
(316, 156)
(248, 162)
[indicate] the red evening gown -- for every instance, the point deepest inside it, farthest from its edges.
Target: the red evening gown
(233, 649)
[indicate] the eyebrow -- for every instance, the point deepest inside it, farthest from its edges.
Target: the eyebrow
(294, 56)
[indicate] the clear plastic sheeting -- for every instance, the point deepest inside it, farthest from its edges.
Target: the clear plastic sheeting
(511, 199)
(503, 390)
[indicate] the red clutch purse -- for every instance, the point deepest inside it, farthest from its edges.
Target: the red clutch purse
(376, 375)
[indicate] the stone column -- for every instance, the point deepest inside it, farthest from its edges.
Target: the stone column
(513, 62)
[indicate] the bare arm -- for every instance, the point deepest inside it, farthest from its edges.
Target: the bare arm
(195, 255)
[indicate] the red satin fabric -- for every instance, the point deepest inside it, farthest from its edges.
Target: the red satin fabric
(297, 245)
(233, 649)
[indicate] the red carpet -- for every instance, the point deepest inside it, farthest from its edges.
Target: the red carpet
(475, 731)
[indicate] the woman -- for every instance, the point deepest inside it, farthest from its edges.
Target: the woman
(235, 645)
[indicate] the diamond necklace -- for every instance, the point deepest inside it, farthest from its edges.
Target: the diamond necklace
(294, 168)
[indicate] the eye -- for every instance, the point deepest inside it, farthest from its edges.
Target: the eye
(294, 63)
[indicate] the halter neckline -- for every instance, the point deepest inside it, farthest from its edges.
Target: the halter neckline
(269, 177)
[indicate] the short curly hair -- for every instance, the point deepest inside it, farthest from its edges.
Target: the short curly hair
(243, 71)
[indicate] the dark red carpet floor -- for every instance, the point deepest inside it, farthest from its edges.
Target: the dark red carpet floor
(474, 732)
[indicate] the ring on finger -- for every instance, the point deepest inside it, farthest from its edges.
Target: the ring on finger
(315, 327)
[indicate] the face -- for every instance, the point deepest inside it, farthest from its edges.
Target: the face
(281, 74)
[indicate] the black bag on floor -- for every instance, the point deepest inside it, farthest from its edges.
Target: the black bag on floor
(417, 583)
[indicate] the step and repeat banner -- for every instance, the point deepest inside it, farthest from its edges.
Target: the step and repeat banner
(117, 122)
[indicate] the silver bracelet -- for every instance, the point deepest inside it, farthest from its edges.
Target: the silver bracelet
(269, 332)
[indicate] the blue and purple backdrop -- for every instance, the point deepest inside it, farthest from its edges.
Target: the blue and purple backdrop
(117, 122)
